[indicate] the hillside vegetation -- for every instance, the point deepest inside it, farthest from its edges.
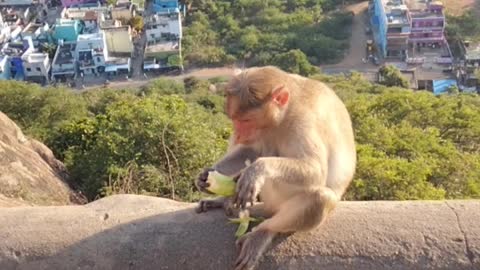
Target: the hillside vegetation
(266, 32)
(411, 145)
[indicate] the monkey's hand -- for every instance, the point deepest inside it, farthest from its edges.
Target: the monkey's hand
(201, 181)
(248, 186)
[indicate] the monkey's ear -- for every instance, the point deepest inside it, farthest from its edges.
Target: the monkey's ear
(280, 95)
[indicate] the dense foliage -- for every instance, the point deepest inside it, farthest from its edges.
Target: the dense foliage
(411, 145)
(465, 26)
(391, 76)
(222, 32)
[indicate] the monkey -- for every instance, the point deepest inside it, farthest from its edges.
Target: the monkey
(299, 136)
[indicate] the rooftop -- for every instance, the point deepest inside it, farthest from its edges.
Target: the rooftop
(156, 18)
(472, 50)
(110, 23)
(88, 4)
(36, 57)
(115, 28)
(90, 15)
(422, 9)
(396, 11)
(64, 54)
(422, 4)
(164, 46)
(14, 48)
(83, 37)
(65, 22)
(117, 60)
(32, 28)
(123, 5)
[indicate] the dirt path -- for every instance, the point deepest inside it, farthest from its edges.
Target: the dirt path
(458, 7)
(358, 41)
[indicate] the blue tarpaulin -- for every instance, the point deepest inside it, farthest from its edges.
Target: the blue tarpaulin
(442, 86)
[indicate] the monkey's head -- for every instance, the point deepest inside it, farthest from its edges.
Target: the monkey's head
(256, 102)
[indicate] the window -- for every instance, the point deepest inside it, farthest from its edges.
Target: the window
(29, 69)
(38, 69)
(98, 59)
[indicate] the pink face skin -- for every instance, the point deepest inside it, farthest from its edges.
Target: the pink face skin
(245, 130)
(247, 126)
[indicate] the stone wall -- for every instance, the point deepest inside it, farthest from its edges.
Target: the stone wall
(140, 232)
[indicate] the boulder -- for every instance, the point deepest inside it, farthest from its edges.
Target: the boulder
(29, 172)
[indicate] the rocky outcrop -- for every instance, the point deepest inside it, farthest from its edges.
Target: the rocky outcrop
(140, 232)
(29, 172)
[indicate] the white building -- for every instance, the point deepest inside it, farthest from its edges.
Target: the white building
(16, 2)
(64, 63)
(38, 32)
(163, 28)
(91, 53)
(36, 67)
(91, 16)
(4, 30)
(4, 67)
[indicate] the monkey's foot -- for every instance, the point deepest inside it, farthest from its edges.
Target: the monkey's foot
(209, 204)
(252, 246)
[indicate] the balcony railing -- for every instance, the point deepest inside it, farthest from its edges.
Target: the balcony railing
(427, 38)
(426, 28)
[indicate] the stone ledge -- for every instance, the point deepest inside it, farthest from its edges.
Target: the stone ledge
(140, 232)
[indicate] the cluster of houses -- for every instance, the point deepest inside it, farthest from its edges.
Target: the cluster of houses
(410, 34)
(163, 29)
(84, 38)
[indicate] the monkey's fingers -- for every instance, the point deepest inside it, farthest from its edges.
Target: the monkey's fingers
(203, 184)
(248, 253)
(241, 240)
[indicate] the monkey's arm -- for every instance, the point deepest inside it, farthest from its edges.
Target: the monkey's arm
(302, 173)
(233, 162)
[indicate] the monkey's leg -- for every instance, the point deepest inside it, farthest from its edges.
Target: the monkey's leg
(301, 212)
(209, 204)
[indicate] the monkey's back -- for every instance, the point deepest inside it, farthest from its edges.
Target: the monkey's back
(333, 124)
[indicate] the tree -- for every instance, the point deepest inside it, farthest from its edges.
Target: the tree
(477, 74)
(137, 23)
(295, 61)
(220, 32)
(174, 60)
(151, 145)
(391, 76)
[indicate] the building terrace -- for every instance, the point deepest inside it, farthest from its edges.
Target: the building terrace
(395, 10)
(64, 63)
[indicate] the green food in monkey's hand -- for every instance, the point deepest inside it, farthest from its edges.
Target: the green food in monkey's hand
(243, 220)
(221, 184)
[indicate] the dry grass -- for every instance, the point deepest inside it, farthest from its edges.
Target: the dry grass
(458, 7)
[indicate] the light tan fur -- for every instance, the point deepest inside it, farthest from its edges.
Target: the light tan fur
(306, 156)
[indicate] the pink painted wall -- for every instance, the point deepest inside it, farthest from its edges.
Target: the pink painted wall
(68, 3)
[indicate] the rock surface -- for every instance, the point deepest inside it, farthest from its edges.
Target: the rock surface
(140, 232)
(29, 172)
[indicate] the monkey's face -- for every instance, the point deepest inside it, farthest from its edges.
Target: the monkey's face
(247, 125)
(250, 123)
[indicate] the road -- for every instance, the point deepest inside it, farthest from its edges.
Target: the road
(358, 41)
(122, 83)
